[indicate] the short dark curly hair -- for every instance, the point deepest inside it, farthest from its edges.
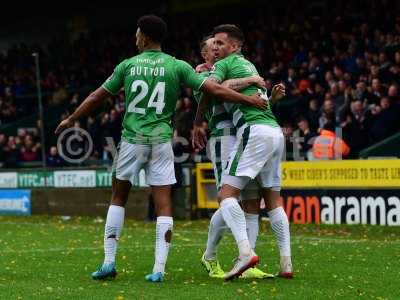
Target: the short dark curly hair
(153, 27)
(231, 30)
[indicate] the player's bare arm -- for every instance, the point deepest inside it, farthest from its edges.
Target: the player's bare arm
(238, 84)
(87, 106)
(224, 94)
(235, 84)
(199, 135)
(199, 139)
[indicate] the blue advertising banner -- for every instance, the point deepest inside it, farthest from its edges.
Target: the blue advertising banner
(15, 202)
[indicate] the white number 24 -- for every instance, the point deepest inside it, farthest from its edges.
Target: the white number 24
(157, 97)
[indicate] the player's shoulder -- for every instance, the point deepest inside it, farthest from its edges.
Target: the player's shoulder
(224, 62)
(173, 61)
(182, 66)
(239, 58)
(150, 57)
(180, 62)
(126, 62)
(123, 62)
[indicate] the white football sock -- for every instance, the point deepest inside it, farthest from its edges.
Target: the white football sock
(112, 231)
(280, 227)
(215, 232)
(252, 228)
(234, 217)
(163, 240)
(286, 264)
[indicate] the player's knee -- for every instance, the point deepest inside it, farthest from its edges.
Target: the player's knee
(228, 191)
(222, 194)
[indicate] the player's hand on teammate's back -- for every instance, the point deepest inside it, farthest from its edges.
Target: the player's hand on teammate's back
(258, 101)
(278, 91)
(67, 123)
(258, 81)
(199, 139)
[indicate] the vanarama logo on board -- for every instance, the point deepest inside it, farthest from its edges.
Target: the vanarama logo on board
(343, 207)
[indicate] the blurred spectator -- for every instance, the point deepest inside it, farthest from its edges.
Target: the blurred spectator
(291, 79)
(354, 130)
(327, 113)
(54, 160)
(313, 114)
(361, 93)
(30, 150)
(319, 93)
(393, 94)
(12, 151)
(376, 90)
(383, 120)
(328, 146)
(60, 95)
(337, 96)
(287, 130)
(306, 134)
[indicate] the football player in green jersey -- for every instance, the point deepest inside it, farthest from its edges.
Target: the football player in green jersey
(222, 140)
(151, 81)
(256, 154)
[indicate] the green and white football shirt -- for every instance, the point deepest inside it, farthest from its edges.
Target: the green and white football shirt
(218, 118)
(236, 66)
(152, 82)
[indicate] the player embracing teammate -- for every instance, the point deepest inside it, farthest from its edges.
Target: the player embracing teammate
(256, 153)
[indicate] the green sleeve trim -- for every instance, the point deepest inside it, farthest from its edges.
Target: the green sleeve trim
(108, 90)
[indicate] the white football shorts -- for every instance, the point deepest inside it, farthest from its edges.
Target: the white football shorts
(219, 149)
(157, 160)
(257, 153)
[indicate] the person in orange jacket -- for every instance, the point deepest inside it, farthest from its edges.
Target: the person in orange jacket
(329, 146)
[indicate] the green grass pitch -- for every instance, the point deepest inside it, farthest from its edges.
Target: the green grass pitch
(50, 258)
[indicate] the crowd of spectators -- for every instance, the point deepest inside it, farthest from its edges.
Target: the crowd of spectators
(24, 147)
(342, 71)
